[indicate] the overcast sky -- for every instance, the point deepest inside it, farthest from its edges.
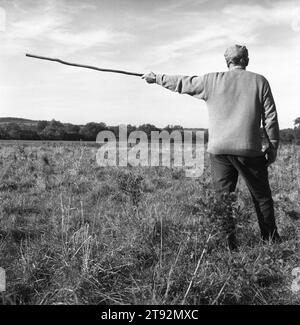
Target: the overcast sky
(168, 36)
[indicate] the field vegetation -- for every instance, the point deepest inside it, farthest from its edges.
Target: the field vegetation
(72, 232)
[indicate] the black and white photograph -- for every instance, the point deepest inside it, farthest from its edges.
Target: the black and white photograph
(149, 155)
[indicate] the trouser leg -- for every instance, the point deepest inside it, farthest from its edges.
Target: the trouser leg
(224, 174)
(224, 177)
(255, 173)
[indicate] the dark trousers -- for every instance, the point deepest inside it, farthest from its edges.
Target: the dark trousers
(225, 170)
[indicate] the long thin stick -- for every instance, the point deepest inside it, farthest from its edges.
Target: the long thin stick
(84, 66)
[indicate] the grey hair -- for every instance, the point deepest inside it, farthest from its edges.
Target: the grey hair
(241, 59)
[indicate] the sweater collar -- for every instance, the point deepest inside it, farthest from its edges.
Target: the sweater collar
(236, 67)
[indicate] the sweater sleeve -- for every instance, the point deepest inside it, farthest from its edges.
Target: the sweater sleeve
(194, 85)
(269, 116)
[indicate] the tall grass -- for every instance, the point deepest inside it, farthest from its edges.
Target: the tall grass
(75, 233)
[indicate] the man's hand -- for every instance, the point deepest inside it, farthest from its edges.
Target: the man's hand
(149, 77)
(271, 155)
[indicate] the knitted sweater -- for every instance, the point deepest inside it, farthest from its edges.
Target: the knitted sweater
(239, 102)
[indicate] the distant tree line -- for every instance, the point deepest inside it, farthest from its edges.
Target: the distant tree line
(55, 130)
(291, 135)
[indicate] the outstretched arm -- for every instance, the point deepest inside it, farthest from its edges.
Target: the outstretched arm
(194, 85)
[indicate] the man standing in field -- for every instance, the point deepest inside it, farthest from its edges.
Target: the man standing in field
(238, 102)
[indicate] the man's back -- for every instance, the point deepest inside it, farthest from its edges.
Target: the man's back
(237, 101)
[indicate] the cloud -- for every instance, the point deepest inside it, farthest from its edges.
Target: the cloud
(2, 19)
(180, 5)
(88, 38)
(33, 28)
(235, 23)
(56, 27)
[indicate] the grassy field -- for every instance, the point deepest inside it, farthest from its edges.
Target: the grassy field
(72, 232)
